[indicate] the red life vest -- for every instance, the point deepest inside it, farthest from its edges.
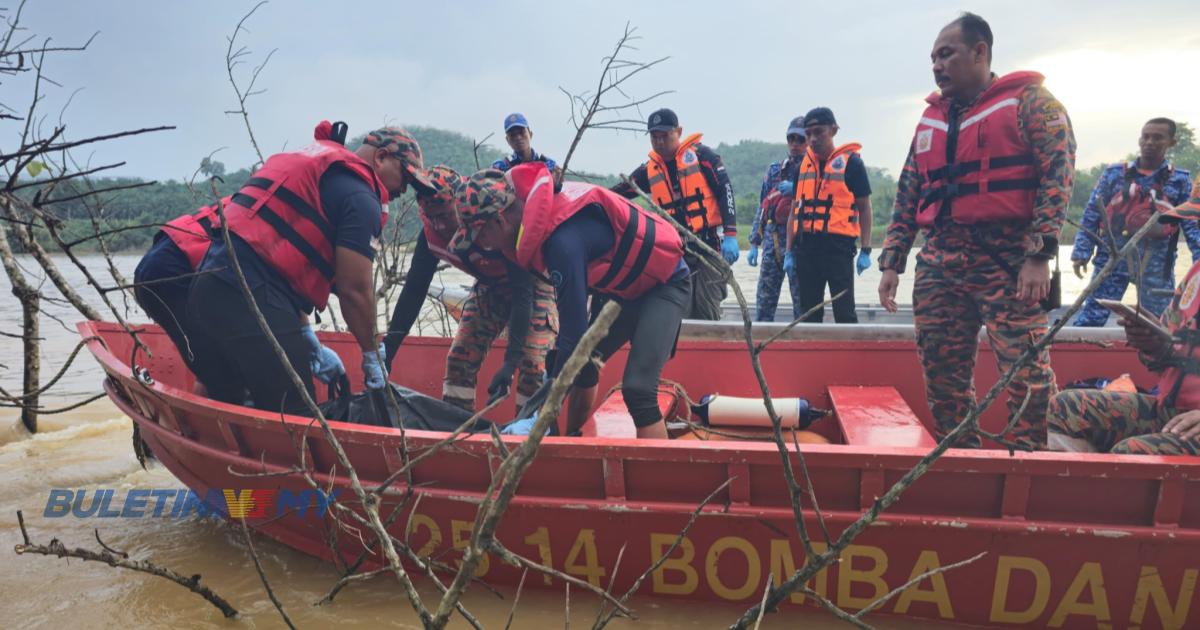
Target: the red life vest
(1133, 205)
(646, 250)
(483, 265)
(1179, 384)
(993, 175)
(191, 233)
(278, 213)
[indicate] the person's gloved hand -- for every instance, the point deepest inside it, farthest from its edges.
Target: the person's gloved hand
(325, 364)
(729, 249)
(520, 427)
(501, 383)
(374, 374)
(786, 187)
(752, 257)
(789, 262)
(863, 262)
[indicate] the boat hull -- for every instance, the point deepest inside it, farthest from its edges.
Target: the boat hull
(1069, 540)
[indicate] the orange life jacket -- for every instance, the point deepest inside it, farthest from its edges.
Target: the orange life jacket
(646, 250)
(992, 175)
(824, 203)
(278, 213)
(697, 207)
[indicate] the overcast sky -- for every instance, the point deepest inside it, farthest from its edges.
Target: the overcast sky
(738, 70)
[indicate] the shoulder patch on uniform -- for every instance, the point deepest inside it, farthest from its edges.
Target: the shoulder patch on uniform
(1188, 296)
(689, 157)
(556, 278)
(924, 140)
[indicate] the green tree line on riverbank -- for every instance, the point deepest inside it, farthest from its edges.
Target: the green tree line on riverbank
(746, 162)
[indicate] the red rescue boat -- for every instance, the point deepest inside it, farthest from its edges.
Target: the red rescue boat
(1075, 541)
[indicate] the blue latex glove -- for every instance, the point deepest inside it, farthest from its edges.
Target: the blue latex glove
(325, 364)
(521, 427)
(729, 249)
(789, 262)
(374, 374)
(752, 257)
(786, 187)
(863, 262)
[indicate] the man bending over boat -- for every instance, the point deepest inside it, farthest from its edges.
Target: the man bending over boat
(307, 221)
(588, 239)
(1088, 420)
(503, 295)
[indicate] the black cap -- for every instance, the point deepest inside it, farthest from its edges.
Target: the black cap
(662, 120)
(819, 116)
(796, 127)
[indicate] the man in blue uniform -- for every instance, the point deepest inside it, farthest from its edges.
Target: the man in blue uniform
(1119, 205)
(770, 226)
(520, 140)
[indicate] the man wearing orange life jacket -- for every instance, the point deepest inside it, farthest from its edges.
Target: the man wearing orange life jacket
(1089, 420)
(987, 178)
(586, 239)
(688, 180)
(306, 222)
(831, 210)
(503, 296)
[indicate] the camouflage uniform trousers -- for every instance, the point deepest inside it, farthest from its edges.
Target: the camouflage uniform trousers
(955, 291)
(1154, 293)
(1116, 422)
(708, 289)
(770, 275)
(485, 315)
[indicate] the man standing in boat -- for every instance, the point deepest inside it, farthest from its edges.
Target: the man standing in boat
(988, 178)
(586, 239)
(770, 226)
(688, 180)
(832, 209)
(1121, 203)
(504, 295)
(519, 136)
(1167, 423)
(306, 222)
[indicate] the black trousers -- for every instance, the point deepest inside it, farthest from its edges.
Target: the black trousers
(164, 300)
(235, 357)
(821, 260)
(650, 324)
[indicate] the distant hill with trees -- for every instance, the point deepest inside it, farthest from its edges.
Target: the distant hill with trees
(746, 161)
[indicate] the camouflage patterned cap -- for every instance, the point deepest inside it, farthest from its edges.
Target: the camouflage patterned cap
(1187, 210)
(444, 181)
(402, 145)
(479, 198)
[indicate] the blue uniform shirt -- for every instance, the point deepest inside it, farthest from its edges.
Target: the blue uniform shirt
(506, 163)
(1176, 190)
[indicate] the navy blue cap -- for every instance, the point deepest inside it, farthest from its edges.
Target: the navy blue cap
(662, 120)
(515, 120)
(796, 127)
(819, 116)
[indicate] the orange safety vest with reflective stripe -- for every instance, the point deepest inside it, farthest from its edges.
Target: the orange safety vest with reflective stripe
(697, 207)
(824, 203)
